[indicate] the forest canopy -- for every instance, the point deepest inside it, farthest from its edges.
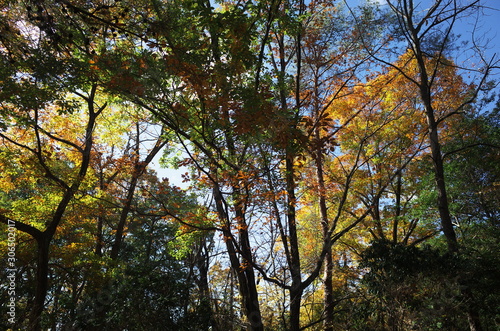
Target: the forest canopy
(340, 162)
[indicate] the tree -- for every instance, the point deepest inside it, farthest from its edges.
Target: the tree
(427, 46)
(40, 76)
(43, 158)
(307, 136)
(428, 37)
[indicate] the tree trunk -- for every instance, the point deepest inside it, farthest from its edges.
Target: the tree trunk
(115, 249)
(247, 288)
(295, 303)
(325, 225)
(328, 292)
(397, 215)
(439, 176)
(99, 237)
(42, 283)
(139, 169)
(244, 270)
(296, 288)
(443, 205)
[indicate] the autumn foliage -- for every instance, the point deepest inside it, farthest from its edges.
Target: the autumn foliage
(327, 167)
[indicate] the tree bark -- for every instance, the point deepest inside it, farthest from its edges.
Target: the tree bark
(296, 289)
(397, 214)
(439, 177)
(41, 283)
(325, 226)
